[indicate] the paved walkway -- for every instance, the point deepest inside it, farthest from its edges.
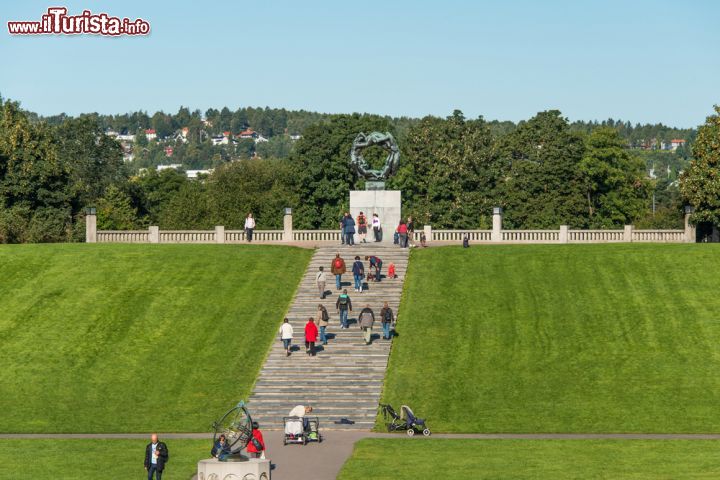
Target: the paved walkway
(340, 434)
(323, 461)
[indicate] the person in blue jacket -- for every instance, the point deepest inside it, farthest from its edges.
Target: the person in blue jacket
(358, 270)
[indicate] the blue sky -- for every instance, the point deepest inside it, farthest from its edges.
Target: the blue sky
(643, 61)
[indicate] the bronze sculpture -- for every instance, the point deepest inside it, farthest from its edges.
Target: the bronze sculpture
(361, 166)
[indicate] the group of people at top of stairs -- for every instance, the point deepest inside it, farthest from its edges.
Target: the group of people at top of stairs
(343, 305)
(404, 233)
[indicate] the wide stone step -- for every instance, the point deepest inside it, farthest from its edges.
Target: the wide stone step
(346, 376)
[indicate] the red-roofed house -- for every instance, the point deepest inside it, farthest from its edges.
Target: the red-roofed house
(676, 142)
(249, 133)
(150, 134)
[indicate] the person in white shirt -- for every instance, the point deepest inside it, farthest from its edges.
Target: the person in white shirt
(320, 279)
(249, 226)
(299, 411)
(286, 335)
(376, 227)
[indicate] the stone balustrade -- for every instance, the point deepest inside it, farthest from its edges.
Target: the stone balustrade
(315, 237)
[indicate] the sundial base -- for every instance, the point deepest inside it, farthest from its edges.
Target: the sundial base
(253, 468)
(235, 458)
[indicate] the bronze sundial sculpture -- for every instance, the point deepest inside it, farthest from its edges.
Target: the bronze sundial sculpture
(236, 425)
(361, 166)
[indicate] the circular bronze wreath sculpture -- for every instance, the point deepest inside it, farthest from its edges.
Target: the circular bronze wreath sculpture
(361, 166)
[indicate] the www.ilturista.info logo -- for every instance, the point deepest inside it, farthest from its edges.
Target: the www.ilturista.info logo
(57, 22)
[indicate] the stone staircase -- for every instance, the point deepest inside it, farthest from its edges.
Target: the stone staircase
(346, 376)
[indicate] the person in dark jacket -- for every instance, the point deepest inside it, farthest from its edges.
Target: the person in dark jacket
(343, 305)
(156, 456)
(342, 229)
(386, 317)
(366, 320)
(376, 263)
(221, 449)
(349, 230)
(410, 232)
(358, 270)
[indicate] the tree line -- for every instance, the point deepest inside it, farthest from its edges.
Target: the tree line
(543, 171)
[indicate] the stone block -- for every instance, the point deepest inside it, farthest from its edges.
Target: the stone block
(386, 203)
(253, 469)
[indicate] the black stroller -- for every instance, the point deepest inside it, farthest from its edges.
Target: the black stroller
(406, 420)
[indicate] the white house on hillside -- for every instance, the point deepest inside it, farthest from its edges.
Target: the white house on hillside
(676, 142)
(193, 174)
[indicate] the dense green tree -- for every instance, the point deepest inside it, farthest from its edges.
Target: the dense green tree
(31, 172)
(322, 170)
(153, 190)
(115, 210)
(448, 174)
(259, 186)
(700, 183)
(616, 186)
(187, 209)
(541, 185)
(94, 160)
(279, 146)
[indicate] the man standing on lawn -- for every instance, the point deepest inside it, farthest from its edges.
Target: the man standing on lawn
(343, 305)
(156, 455)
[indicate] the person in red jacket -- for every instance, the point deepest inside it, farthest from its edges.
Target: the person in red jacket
(311, 333)
(257, 445)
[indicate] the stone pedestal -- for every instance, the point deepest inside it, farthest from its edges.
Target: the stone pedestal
(90, 228)
(253, 469)
(386, 203)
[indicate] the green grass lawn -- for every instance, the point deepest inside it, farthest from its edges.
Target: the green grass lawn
(136, 338)
(85, 459)
(576, 338)
(400, 459)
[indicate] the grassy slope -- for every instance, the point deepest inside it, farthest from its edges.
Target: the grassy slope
(532, 459)
(119, 338)
(83, 459)
(596, 338)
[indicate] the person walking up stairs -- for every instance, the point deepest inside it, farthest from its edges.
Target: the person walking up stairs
(345, 378)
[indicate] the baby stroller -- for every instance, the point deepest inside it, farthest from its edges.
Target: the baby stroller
(301, 430)
(406, 420)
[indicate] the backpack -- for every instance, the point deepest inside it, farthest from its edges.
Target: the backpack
(338, 263)
(325, 315)
(256, 443)
(361, 220)
(343, 299)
